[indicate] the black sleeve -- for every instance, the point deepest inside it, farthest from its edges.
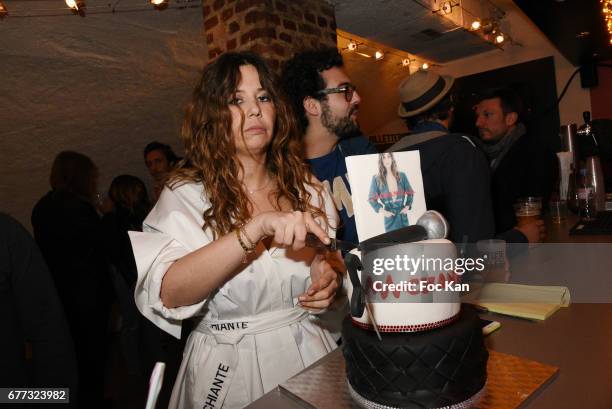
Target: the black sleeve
(544, 174)
(466, 185)
(512, 236)
(39, 310)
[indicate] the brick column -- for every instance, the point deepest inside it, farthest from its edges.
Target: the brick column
(275, 29)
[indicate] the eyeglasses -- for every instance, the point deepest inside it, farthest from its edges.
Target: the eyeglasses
(348, 90)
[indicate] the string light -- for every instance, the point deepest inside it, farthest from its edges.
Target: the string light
(77, 6)
(72, 4)
(476, 25)
(500, 38)
(424, 66)
(3, 10)
(367, 50)
(607, 12)
(159, 4)
(80, 7)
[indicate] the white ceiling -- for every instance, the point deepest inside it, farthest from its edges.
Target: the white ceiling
(410, 26)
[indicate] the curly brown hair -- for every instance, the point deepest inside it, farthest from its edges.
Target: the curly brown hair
(209, 147)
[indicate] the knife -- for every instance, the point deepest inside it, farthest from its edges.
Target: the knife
(404, 235)
(335, 244)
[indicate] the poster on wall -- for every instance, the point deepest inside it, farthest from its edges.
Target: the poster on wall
(387, 191)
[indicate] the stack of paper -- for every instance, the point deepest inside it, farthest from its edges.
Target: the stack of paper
(525, 301)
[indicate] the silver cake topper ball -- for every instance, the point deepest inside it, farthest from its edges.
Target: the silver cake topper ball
(435, 224)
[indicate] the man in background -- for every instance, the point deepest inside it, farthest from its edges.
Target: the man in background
(326, 104)
(521, 166)
(455, 172)
(36, 349)
(159, 160)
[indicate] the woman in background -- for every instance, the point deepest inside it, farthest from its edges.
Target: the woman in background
(391, 193)
(143, 344)
(224, 244)
(130, 206)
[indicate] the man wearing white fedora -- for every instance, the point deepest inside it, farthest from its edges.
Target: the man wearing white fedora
(455, 172)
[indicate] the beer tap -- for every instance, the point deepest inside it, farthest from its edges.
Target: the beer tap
(586, 129)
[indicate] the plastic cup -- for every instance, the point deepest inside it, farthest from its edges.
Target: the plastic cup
(558, 211)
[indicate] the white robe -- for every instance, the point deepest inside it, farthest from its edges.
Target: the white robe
(267, 287)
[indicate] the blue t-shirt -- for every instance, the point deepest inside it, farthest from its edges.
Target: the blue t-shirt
(330, 169)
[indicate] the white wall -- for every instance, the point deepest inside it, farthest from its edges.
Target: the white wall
(104, 85)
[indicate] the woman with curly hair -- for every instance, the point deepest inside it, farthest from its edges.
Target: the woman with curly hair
(224, 245)
(391, 193)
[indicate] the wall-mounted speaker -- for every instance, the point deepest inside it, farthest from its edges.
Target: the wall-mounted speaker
(588, 75)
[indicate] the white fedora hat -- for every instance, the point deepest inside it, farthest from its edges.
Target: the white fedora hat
(421, 91)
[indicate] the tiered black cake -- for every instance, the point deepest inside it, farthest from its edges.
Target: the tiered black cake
(432, 353)
(439, 368)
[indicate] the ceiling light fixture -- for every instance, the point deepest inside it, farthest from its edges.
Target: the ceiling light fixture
(405, 62)
(159, 4)
(352, 46)
(500, 38)
(445, 8)
(379, 55)
(424, 66)
(476, 25)
(3, 10)
(77, 6)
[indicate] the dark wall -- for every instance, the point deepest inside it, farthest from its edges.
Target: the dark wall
(534, 81)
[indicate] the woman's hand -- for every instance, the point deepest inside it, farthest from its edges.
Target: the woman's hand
(289, 228)
(535, 231)
(325, 283)
(388, 213)
(405, 210)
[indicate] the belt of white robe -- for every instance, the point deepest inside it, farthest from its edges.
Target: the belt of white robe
(228, 340)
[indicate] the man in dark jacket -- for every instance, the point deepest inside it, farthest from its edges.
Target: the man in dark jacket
(326, 104)
(31, 313)
(68, 231)
(455, 172)
(521, 165)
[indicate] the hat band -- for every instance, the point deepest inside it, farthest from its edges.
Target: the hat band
(426, 98)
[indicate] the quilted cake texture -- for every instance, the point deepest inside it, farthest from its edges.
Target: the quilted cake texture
(429, 369)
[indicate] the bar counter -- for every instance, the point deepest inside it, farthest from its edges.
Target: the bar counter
(576, 339)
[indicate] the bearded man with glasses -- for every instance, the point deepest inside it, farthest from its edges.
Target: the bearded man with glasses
(326, 104)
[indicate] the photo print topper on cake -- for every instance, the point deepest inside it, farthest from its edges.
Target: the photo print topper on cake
(387, 191)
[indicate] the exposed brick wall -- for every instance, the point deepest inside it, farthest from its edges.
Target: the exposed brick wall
(276, 29)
